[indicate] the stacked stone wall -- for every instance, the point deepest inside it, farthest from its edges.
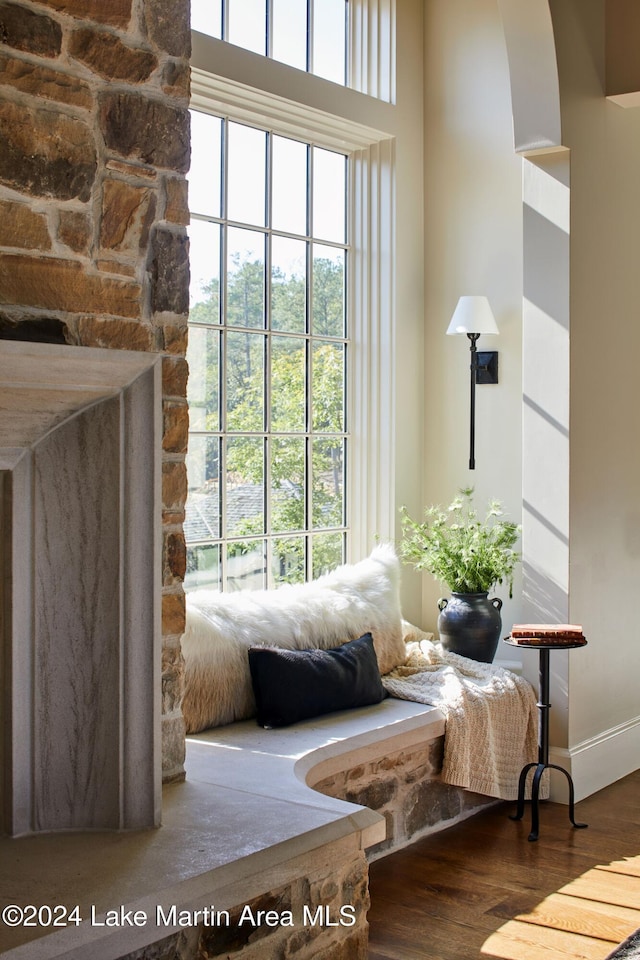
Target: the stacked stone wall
(408, 790)
(323, 917)
(94, 148)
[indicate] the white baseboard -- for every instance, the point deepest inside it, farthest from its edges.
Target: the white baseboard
(596, 762)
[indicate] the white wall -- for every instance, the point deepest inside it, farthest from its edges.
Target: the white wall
(409, 344)
(473, 229)
(569, 244)
(603, 736)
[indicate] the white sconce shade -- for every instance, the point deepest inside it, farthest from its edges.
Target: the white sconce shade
(473, 315)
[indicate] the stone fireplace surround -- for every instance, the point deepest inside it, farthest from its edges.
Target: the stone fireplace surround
(80, 434)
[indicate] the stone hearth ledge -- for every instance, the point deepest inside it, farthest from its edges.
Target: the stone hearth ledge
(245, 821)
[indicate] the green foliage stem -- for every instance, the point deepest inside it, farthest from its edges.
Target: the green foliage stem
(467, 554)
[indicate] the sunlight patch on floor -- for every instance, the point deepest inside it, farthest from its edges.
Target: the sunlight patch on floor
(583, 920)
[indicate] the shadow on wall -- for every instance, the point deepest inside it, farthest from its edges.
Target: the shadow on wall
(545, 516)
(541, 594)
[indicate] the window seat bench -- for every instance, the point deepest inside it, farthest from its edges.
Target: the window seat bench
(267, 820)
(296, 764)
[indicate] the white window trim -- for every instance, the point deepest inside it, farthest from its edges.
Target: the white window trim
(372, 53)
(371, 401)
(372, 292)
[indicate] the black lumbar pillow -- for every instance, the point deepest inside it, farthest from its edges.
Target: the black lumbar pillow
(292, 685)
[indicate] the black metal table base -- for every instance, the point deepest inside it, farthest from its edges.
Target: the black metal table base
(535, 792)
(542, 763)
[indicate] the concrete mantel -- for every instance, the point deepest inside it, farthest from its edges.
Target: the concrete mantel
(42, 384)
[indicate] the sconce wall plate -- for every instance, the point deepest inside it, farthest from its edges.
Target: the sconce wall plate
(487, 371)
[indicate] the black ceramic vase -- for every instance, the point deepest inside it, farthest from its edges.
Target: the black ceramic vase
(469, 624)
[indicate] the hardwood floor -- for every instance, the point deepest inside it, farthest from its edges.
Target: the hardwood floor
(482, 890)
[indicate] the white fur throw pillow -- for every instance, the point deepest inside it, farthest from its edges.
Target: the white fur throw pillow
(342, 605)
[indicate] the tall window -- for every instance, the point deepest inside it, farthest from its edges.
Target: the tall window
(268, 350)
(308, 34)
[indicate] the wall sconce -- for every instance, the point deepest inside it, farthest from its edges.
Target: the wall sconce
(474, 317)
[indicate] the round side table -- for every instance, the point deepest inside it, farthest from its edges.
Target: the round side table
(542, 763)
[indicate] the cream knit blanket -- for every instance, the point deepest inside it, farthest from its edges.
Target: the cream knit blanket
(491, 717)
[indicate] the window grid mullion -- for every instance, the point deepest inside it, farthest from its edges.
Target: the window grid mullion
(335, 244)
(222, 505)
(266, 390)
(222, 443)
(269, 28)
(310, 242)
(309, 36)
(308, 473)
(347, 45)
(225, 19)
(266, 499)
(275, 334)
(310, 175)
(268, 353)
(308, 500)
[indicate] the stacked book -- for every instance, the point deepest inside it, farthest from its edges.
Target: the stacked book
(552, 634)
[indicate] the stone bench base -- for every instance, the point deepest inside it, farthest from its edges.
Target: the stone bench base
(406, 788)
